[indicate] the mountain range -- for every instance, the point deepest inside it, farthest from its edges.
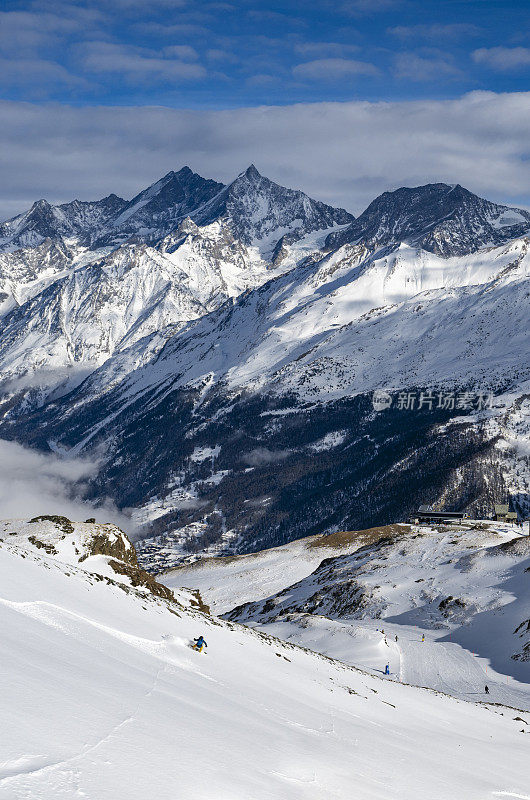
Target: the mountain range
(218, 348)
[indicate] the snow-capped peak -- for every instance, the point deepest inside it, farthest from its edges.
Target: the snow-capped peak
(259, 212)
(445, 219)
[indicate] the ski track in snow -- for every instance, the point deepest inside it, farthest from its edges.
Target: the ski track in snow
(35, 769)
(445, 667)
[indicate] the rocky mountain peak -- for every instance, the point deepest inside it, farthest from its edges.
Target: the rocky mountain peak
(40, 205)
(445, 219)
(167, 201)
(252, 173)
(259, 211)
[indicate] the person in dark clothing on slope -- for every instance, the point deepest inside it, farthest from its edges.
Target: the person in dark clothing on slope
(199, 643)
(387, 669)
(486, 689)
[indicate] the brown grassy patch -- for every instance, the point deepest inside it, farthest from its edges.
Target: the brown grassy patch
(343, 539)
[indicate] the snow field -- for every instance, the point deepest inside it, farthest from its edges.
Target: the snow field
(102, 698)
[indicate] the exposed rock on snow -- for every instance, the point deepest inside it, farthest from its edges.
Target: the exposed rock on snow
(102, 549)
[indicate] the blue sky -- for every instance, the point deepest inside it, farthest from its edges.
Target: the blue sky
(186, 54)
(341, 98)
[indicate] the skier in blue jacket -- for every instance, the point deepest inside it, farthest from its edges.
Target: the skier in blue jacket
(199, 643)
(387, 669)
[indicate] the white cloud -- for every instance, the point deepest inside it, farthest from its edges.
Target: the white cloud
(368, 7)
(415, 67)
(328, 69)
(503, 58)
(341, 153)
(323, 49)
(137, 64)
(37, 75)
(25, 33)
(222, 55)
(33, 483)
(182, 51)
(451, 30)
(262, 79)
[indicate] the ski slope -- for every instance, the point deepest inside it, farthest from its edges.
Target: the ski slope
(102, 698)
(441, 665)
(400, 585)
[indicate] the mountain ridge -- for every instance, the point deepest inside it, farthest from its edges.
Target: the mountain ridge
(444, 219)
(263, 345)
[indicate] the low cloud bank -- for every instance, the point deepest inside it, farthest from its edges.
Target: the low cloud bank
(33, 483)
(342, 153)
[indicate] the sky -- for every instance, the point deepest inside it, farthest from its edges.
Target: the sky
(342, 98)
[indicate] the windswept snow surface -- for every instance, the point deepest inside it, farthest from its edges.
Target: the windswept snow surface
(103, 698)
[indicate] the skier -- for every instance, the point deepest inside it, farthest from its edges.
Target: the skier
(199, 643)
(486, 689)
(423, 637)
(396, 637)
(387, 669)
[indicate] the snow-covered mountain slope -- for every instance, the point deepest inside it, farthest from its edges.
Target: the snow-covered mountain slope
(465, 587)
(277, 386)
(339, 306)
(447, 220)
(135, 712)
(231, 581)
(82, 318)
(26, 270)
(67, 309)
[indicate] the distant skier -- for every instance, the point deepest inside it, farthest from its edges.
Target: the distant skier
(486, 689)
(396, 637)
(387, 669)
(199, 643)
(423, 637)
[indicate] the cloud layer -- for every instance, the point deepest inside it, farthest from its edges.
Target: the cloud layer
(341, 153)
(33, 483)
